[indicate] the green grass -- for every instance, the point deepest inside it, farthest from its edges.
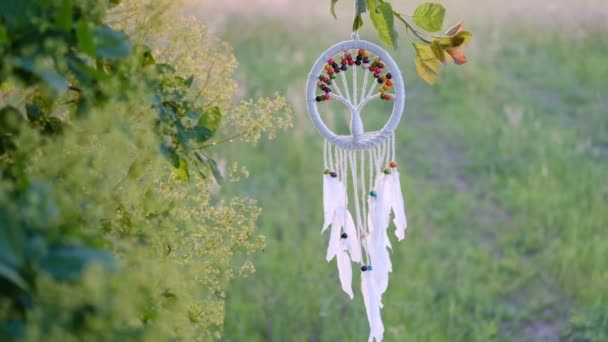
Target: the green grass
(505, 173)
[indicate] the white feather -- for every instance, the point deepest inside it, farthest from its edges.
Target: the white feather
(398, 206)
(345, 271)
(352, 241)
(372, 307)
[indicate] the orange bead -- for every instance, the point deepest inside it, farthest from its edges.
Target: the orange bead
(389, 83)
(393, 164)
(327, 67)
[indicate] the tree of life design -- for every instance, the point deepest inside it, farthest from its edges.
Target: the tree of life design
(330, 80)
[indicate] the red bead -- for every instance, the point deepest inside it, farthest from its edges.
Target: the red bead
(326, 96)
(325, 79)
(380, 65)
(330, 71)
(389, 83)
(393, 164)
(351, 62)
(330, 61)
(361, 52)
(343, 61)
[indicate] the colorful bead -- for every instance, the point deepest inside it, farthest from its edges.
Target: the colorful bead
(327, 67)
(358, 62)
(392, 164)
(325, 79)
(344, 235)
(331, 75)
(337, 70)
(380, 80)
(365, 54)
(330, 71)
(330, 61)
(381, 65)
(343, 61)
(329, 82)
(333, 174)
(377, 60)
(365, 60)
(363, 268)
(376, 75)
(351, 62)
(369, 267)
(318, 99)
(361, 52)
(389, 83)
(327, 171)
(327, 96)
(343, 68)
(372, 193)
(387, 171)
(359, 58)
(334, 65)
(389, 76)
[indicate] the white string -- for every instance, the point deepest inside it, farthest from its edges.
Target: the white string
(392, 147)
(336, 88)
(330, 157)
(364, 191)
(345, 87)
(363, 90)
(372, 88)
(325, 164)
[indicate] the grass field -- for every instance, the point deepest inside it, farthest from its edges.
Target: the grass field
(505, 172)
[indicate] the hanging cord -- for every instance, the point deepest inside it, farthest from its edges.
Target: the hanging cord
(325, 147)
(392, 147)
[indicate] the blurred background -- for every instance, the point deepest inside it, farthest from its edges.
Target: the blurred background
(504, 170)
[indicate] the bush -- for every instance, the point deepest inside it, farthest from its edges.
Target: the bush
(111, 226)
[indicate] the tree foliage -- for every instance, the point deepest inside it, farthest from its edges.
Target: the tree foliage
(111, 227)
(432, 48)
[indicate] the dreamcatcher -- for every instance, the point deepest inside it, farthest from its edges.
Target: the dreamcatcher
(363, 160)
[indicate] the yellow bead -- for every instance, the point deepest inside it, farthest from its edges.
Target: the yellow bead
(327, 67)
(366, 54)
(377, 59)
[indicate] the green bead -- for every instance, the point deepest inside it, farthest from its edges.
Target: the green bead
(387, 171)
(327, 171)
(321, 78)
(329, 82)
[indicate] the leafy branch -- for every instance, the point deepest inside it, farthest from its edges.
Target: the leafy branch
(432, 48)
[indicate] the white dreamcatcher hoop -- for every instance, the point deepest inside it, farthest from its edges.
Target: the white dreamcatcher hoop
(358, 138)
(369, 157)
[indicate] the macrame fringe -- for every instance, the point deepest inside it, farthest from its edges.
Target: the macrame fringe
(363, 238)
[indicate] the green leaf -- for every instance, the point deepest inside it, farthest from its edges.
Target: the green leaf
(111, 44)
(67, 263)
(210, 164)
(170, 154)
(63, 16)
(455, 42)
(429, 16)
(138, 167)
(85, 38)
(332, 9)
(12, 275)
(360, 7)
(427, 65)
(33, 112)
(357, 23)
(182, 170)
(383, 19)
(211, 119)
(438, 51)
